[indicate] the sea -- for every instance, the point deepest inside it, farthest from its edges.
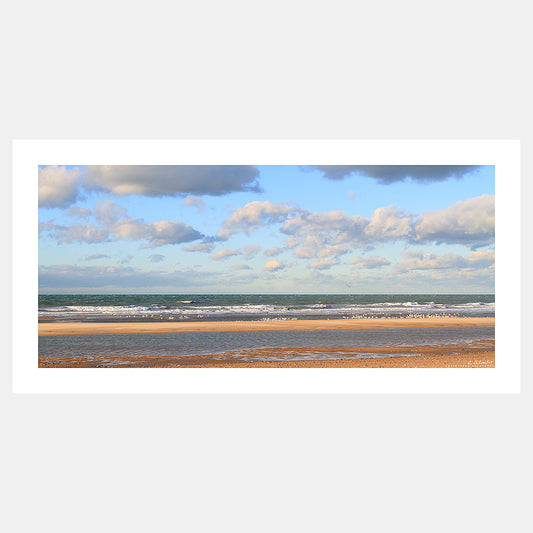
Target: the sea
(206, 307)
(244, 307)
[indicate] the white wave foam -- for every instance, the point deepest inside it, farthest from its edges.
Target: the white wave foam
(186, 310)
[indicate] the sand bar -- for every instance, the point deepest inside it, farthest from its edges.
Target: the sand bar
(101, 328)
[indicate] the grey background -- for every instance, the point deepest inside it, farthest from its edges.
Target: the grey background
(294, 70)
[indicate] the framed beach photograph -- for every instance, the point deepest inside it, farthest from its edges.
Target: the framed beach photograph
(266, 266)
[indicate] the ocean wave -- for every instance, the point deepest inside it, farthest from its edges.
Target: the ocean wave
(187, 310)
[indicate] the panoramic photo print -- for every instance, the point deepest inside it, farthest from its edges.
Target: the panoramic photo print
(383, 266)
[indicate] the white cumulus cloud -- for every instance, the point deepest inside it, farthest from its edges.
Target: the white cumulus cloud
(323, 264)
(84, 232)
(192, 201)
(225, 253)
(171, 232)
(273, 266)
(115, 224)
(206, 247)
(58, 186)
(241, 266)
(252, 216)
(171, 180)
(469, 222)
(389, 223)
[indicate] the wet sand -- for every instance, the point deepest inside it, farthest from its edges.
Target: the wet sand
(476, 354)
(100, 328)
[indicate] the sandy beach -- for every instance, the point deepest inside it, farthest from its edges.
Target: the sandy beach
(101, 328)
(473, 354)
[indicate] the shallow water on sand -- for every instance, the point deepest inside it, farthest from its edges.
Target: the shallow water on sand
(204, 343)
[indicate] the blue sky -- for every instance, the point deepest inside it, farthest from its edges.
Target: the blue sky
(266, 229)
